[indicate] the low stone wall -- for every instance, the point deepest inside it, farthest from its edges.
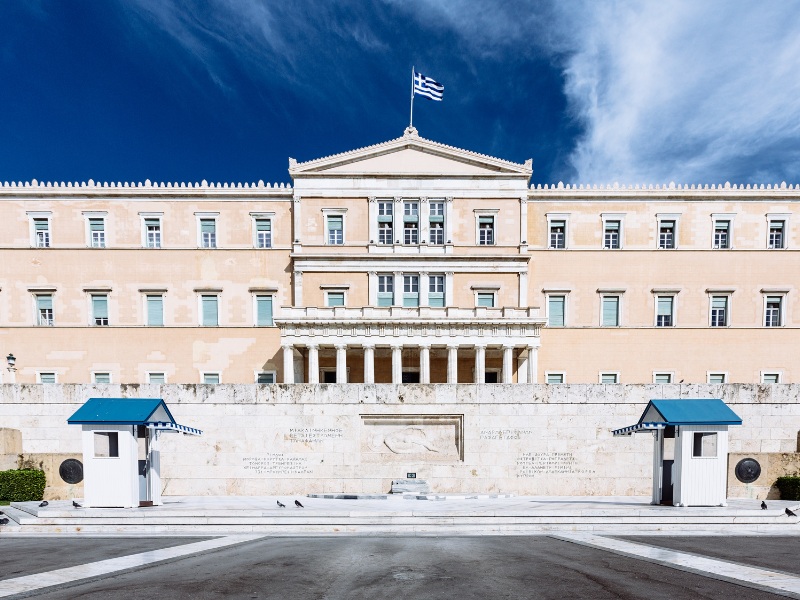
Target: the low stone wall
(773, 465)
(297, 439)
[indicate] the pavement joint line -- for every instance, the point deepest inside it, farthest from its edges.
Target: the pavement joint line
(27, 585)
(776, 582)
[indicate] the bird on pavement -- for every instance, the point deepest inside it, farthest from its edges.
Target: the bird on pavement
(297, 504)
(763, 505)
(281, 504)
(43, 503)
(3, 521)
(790, 513)
(75, 504)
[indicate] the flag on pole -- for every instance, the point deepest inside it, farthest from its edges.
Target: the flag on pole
(425, 86)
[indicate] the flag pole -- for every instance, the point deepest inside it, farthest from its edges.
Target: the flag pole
(411, 118)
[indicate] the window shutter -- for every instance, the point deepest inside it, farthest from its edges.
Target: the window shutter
(264, 311)
(335, 223)
(665, 305)
(155, 311)
(556, 311)
(45, 301)
(263, 225)
(207, 225)
(210, 311)
(611, 311)
(40, 224)
(100, 307)
(485, 220)
(719, 302)
(96, 224)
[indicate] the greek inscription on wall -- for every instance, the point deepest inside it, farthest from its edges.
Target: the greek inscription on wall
(276, 464)
(504, 434)
(314, 434)
(531, 464)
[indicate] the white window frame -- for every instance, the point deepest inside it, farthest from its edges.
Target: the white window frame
(557, 217)
(88, 216)
(785, 234)
(702, 456)
(37, 321)
(409, 278)
(149, 374)
(486, 212)
(492, 294)
(719, 293)
(36, 215)
(601, 374)
(384, 219)
(263, 216)
(274, 375)
(547, 295)
(431, 222)
(40, 373)
(661, 218)
(611, 294)
(146, 310)
(387, 278)
(767, 294)
(92, 319)
(765, 372)
(336, 291)
(670, 374)
(96, 373)
(710, 374)
(715, 217)
(204, 374)
(674, 317)
(262, 293)
(144, 216)
(334, 212)
(204, 216)
(200, 294)
(615, 217)
(562, 374)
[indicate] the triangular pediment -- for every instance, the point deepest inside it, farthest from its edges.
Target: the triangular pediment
(410, 155)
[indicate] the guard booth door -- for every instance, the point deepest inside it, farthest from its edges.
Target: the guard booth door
(143, 439)
(667, 465)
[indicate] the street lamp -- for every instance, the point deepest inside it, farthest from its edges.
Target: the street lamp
(11, 360)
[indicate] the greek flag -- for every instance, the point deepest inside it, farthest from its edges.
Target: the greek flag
(425, 86)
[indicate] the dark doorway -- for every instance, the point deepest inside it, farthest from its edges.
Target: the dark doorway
(410, 376)
(329, 377)
(491, 377)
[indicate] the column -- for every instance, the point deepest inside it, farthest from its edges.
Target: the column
(296, 220)
(397, 220)
(533, 363)
(372, 287)
(341, 363)
(398, 289)
(424, 364)
(448, 289)
(523, 221)
(288, 363)
(369, 364)
(313, 363)
(298, 288)
(424, 220)
(373, 220)
(424, 288)
(523, 289)
(508, 356)
(452, 364)
(480, 364)
(448, 220)
(397, 364)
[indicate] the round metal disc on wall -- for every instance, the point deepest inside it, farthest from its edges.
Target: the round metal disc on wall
(748, 470)
(71, 471)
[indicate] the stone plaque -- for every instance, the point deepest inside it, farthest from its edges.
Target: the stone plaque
(412, 438)
(531, 464)
(314, 434)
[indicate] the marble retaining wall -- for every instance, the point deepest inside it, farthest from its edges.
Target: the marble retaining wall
(296, 439)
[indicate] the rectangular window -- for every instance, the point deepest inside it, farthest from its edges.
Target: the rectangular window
(558, 234)
(772, 311)
(263, 233)
(716, 378)
(555, 310)
(485, 231)
(335, 230)
(410, 233)
(265, 377)
(385, 290)
(554, 378)
(662, 377)
(208, 233)
(100, 309)
(719, 311)
(385, 232)
(776, 234)
(106, 444)
(385, 227)
(437, 233)
(410, 290)
(608, 378)
(102, 377)
(485, 299)
(152, 232)
(722, 232)
(704, 445)
(41, 231)
(436, 290)
(264, 310)
(97, 232)
(211, 378)
(209, 310)
(610, 307)
(46, 377)
(770, 378)
(611, 231)
(436, 220)
(666, 234)
(155, 310)
(334, 299)
(410, 211)
(664, 311)
(156, 378)
(44, 310)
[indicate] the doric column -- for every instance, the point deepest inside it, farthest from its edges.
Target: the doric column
(398, 289)
(373, 220)
(523, 289)
(452, 364)
(424, 364)
(508, 355)
(397, 364)
(341, 363)
(448, 220)
(313, 363)
(298, 288)
(424, 287)
(288, 363)
(480, 364)
(369, 364)
(533, 360)
(397, 220)
(424, 220)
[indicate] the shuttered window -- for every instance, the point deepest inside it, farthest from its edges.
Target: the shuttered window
(485, 299)
(155, 310)
(610, 311)
(99, 309)
(335, 229)
(210, 310)
(264, 311)
(664, 315)
(208, 233)
(263, 233)
(555, 311)
(385, 290)
(97, 233)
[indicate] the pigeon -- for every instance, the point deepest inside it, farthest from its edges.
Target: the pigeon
(790, 513)
(43, 503)
(3, 521)
(763, 505)
(281, 504)
(75, 504)
(298, 505)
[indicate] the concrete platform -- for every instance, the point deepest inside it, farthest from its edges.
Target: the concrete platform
(402, 515)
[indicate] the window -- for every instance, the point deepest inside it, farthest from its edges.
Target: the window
(211, 378)
(208, 233)
(106, 444)
(410, 233)
(99, 310)
(152, 232)
(155, 310)
(410, 222)
(719, 311)
(609, 378)
(554, 377)
(46, 377)
(716, 378)
(773, 311)
(704, 444)
(666, 234)
(485, 299)
(558, 235)
(41, 232)
(436, 290)
(385, 290)
(156, 378)
(263, 310)
(485, 230)
(411, 290)
(555, 311)
(97, 232)
(263, 231)
(209, 310)
(776, 237)
(722, 234)
(265, 377)
(385, 226)
(662, 377)
(334, 299)
(770, 377)
(665, 306)
(101, 377)
(436, 220)
(335, 227)
(44, 310)
(610, 311)
(611, 235)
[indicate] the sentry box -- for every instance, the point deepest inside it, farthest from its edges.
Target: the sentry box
(121, 458)
(690, 450)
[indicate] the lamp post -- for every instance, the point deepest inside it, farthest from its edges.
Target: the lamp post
(12, 369)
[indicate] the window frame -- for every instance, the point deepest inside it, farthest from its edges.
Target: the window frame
(603, 374)
(96, 373)
(712, 374)
(436, 222)
(556, 294)
(90, 216)
(382, 296)
(768, 372)
(717, 218)
(146, 295)
(555, 220)
(486, 214)
(335, 293)
(661, 219)
(149, 377)
(33, 217)
(411, 299)
(93, 318)
(269, 217)
(781, 296)
(670, 375)
(619, 219)
(38, 321)
(549, 374)
(203, 294)
(673, 295)
(385, 222)
(718, 294)
(491, 296)
(336, 213)
(784, 218)
(206, 374)
(699, 454)
(263, 294)
(213, 242)
(608, 295)
(273, 374)
(145, 217)
(39, 375)
(434, 293)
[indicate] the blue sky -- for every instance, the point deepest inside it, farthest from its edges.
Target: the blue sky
(227, 90)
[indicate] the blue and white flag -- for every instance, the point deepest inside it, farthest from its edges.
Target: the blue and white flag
(425, 86)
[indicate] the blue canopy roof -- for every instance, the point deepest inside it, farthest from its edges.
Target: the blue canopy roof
(151, 412)
(665, 413)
